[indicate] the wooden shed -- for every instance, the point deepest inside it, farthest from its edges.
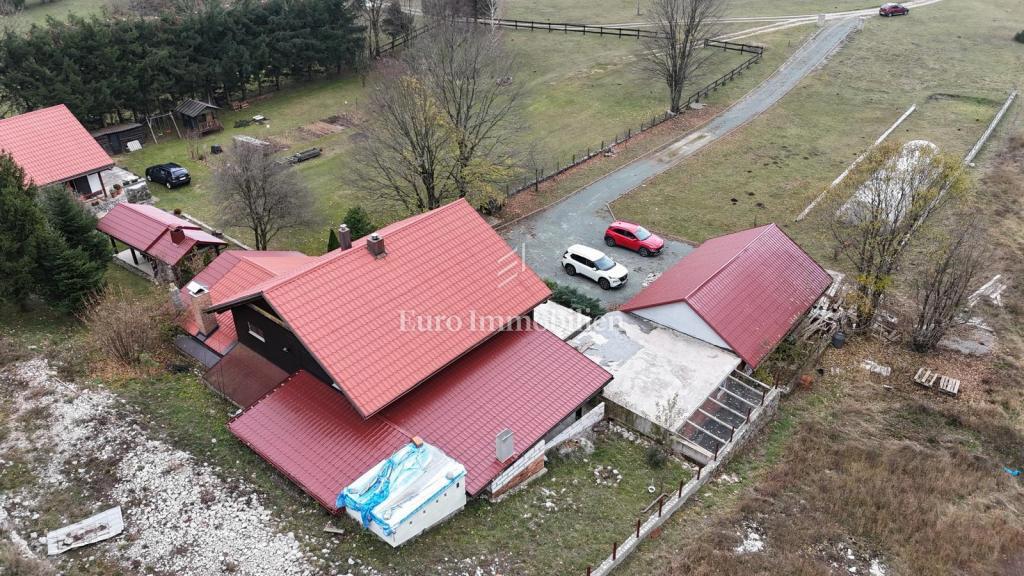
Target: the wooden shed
(199, 116)
(114, 139)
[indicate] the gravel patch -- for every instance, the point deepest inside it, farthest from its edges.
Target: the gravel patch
(180, 516)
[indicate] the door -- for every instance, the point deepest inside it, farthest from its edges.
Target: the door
(627, 239)
(585, 267)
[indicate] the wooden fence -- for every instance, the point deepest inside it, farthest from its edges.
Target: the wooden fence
(566, 28)
(540, 174)
(399, 41)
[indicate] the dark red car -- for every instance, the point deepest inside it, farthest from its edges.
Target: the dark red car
(891, 9)
(633, 237)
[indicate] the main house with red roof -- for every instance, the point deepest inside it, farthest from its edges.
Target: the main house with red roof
(338, 361)
(52, 147)
(683, 349)
(157, 241)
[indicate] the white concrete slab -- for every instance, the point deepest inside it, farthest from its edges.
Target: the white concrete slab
(559, 320)
(660, 374)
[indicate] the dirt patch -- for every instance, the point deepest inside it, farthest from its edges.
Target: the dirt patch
(319, 129)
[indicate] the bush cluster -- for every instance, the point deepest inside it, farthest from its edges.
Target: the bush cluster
(573, 298)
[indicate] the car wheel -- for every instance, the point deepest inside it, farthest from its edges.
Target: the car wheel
(609, 241)
(570, 269)
(168, 185)
(644, 252)
(603, 283)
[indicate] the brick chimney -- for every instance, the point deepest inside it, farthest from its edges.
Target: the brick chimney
(177, 235)
(344, 237)
(375, 244)
(206, 322)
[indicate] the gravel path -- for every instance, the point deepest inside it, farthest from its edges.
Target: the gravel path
(582, 217)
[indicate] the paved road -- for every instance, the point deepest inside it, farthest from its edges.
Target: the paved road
(583, 217)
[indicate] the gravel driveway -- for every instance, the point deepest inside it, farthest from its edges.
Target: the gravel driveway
(583, 217)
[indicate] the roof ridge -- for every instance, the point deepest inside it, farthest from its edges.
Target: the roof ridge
(397, 227)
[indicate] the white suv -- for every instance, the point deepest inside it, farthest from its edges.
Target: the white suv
(594, 264)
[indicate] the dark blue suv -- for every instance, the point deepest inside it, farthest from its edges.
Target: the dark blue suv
(170, 175)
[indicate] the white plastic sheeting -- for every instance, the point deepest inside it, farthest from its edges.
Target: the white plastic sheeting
(414, 489)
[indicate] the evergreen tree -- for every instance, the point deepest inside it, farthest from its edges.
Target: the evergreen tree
(396, 21)
(74, 223)
(358, 221)
(20, 224)
(332, 241)
(65, 276)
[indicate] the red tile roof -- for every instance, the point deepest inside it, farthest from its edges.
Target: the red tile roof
(230, 272)
(526, 380)
(750, 287)
(148, 229)
(347, 307)
(51, 146)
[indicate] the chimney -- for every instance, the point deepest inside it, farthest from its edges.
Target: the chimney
(207, 322)
(177, 235)
(176, 300)
(376, 245)
(504, 445)
(344, 237)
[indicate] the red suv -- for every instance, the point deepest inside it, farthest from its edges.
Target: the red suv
(634, 237)
(893, 10)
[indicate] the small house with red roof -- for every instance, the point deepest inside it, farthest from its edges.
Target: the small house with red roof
(52, 147)
(683, 349)
(340, 360)
(157, 241)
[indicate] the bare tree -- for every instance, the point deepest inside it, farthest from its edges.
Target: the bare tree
(373, 14)
(471, 76)
(878, 208)
(255, 191)
(675, 54)
(441, 118)
(409, 156)
(952, 264)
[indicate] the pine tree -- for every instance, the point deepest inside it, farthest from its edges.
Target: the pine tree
(332, 241)
(75, 224)
(358, 221)
(20, 224)
(65, 276)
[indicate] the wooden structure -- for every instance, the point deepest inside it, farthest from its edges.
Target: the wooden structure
(198, 116)
(114, 139)
(929, 378)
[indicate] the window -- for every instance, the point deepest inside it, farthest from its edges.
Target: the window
(256, 332)
(642, 233)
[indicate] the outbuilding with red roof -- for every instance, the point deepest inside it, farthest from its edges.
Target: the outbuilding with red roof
(743, 291)
(160, 238)
(52, 147)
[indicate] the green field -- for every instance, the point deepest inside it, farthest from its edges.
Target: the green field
(577, 92)
(778, 163)
(625, 11)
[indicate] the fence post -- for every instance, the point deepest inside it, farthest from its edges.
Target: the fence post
(699, 470)
(661, 504)
(573, 158)
(638, 528)
(629, 133)
(680, 495)
(588, 570)
(615, 550)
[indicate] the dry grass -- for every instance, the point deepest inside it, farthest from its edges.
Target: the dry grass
(13, 563)
(880, 465)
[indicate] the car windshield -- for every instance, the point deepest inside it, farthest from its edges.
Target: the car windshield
(642, 233)
(604, 263)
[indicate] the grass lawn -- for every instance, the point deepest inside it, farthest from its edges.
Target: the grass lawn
(625, 11)
(779, 162)
(36, 11)
(578, 91)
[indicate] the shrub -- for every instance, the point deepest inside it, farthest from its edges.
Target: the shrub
(127, 325)
(573, 298)
(358, 221)
(656, 457)
(1019, 36)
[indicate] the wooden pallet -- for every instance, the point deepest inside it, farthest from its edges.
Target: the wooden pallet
(949, 386)
(925, 377)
